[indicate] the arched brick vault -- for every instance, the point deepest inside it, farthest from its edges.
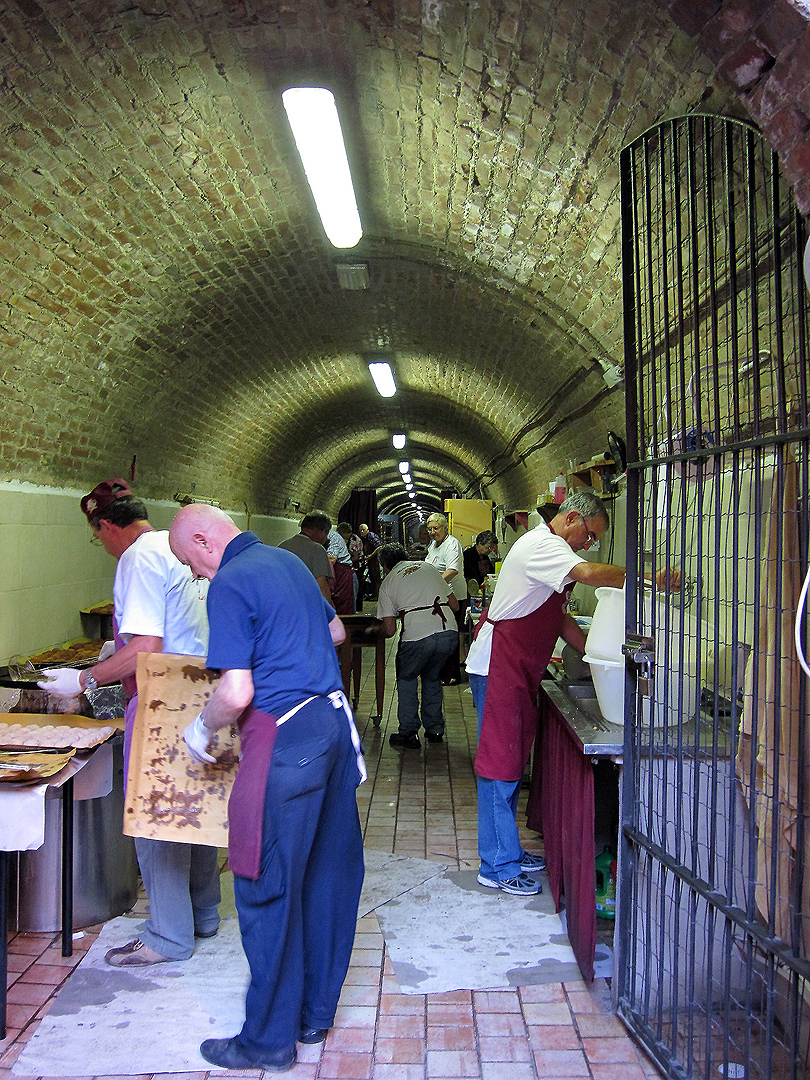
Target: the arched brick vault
(168, 294)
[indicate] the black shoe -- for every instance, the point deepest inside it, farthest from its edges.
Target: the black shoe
(227, 1054)
(312, 1035)
(404, 742)
(434, 736)
(206, 933)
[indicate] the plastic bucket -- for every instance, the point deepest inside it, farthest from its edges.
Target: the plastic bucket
(606, 635)
(608, 682)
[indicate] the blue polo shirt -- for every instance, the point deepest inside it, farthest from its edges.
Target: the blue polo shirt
(267, 615)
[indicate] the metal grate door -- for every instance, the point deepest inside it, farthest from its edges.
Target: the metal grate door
(714, 902)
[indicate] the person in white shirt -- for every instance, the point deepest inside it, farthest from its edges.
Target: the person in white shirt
(159, 607)
(446, 554)
(507, 660)
(417, 595)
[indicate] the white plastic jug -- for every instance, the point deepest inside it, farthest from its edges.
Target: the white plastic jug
(606, 635)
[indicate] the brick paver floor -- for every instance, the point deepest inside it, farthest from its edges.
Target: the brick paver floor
(420, 804)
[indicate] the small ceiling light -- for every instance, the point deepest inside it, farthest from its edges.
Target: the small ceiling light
(383, 378)
(404, 466)
(399, 441)
(409, 486)
(412, 495)
(352, 275)
(315, 124)
(406, 477)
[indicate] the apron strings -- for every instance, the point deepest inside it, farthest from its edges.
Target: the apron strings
(338, 699)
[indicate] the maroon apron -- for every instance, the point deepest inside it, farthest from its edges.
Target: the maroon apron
(257, 735)
(521, 650)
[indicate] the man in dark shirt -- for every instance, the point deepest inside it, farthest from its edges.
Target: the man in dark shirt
(295, 844)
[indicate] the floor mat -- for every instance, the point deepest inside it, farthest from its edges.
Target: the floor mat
(451, 933)
(124, 1021)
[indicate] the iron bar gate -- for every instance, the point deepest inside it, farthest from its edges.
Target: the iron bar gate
(714, 903)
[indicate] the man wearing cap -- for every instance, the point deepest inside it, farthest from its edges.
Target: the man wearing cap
(158, 608)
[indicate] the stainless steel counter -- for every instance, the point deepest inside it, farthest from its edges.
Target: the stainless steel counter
(576, 702)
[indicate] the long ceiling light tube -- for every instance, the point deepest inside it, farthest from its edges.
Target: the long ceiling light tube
(315, 124)
(383, 378)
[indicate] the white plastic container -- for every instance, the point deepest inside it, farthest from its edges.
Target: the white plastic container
(608, 682)
(677, 677)
(606, 635)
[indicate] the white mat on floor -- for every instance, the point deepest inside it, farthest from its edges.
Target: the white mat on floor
(451, 933)
(125, 1021)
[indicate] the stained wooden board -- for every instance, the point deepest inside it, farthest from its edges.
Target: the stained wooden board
(169, 796)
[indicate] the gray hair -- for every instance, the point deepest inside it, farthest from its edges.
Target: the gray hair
(316, 519)
(588, 505)
(486, 537)
(438, 517)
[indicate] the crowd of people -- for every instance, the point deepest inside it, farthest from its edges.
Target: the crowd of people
(268, 619)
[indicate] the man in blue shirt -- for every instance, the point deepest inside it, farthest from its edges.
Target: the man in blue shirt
(295, 844)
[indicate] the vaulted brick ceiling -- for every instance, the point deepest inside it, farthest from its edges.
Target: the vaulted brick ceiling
(169, 295)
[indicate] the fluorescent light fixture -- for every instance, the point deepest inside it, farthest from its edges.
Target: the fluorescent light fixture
(352, 275)
(383, 378)
(404, 466)
(399, 441)
(315, 126)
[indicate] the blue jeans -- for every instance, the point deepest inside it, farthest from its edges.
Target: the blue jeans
(498, 841)
(422, 659)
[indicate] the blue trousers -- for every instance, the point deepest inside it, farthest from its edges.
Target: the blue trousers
(422, 659)
(182, 882)
(499, 846)
(298, 919)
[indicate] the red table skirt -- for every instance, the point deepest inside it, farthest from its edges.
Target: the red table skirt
(561, 807)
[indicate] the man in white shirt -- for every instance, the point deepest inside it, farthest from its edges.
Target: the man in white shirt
(418, 595)
(507, 660)
(446, 554)
(159, 607)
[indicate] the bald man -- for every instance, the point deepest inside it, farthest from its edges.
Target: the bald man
(295, 844)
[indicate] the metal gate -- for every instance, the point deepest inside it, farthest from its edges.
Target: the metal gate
(714, 904)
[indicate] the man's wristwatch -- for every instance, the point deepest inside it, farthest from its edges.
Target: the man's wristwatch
(90, 683)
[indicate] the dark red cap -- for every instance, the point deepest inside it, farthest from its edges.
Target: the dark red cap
(103, 494)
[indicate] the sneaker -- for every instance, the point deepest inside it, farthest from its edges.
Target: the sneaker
(522, 885)
(532, 864)
(134, 954)
(434, 736)
(404, 742)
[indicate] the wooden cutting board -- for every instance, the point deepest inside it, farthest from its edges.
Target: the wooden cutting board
(169, 796)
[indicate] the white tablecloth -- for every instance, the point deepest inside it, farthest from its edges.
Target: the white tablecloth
(22, 809)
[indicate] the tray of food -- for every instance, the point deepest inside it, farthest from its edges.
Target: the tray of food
(80, 653)
(35, 731)
(29, 764)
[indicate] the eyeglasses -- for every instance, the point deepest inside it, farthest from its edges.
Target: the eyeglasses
(592, 537)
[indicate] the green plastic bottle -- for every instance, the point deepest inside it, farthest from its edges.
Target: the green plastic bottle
(605, 868)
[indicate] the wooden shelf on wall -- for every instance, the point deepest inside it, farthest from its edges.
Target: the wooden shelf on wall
(594, 475)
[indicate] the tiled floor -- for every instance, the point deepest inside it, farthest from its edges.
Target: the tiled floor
(420, 804)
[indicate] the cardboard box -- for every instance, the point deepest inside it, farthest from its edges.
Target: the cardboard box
(169, 796)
